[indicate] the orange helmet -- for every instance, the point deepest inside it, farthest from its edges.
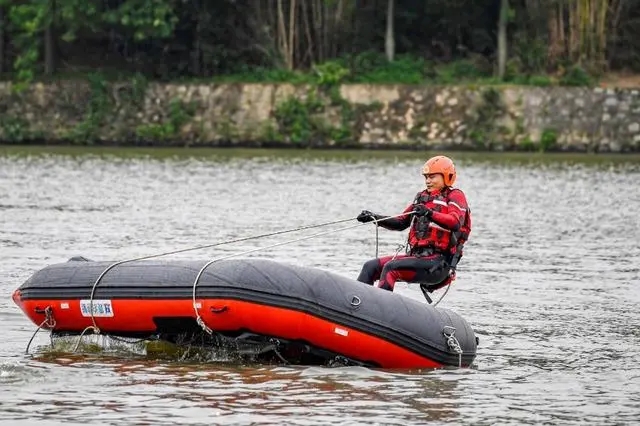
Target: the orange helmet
(443, 165)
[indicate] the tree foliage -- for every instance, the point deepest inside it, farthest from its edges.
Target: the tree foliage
(171, 39)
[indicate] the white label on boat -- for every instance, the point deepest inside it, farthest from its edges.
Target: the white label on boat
(101, 308)
(341, 331)
(64, 305)
(198, 305)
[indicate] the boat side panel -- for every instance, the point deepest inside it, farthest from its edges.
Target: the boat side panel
(231, 316)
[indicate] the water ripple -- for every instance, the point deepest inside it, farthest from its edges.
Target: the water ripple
(549, 281)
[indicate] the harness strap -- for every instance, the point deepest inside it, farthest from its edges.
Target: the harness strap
(425, 291)
(427, 288)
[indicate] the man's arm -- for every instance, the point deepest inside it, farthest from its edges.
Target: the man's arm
(454, 219)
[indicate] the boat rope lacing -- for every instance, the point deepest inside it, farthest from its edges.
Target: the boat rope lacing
(196, 305)
(453, 344)
(49, 321)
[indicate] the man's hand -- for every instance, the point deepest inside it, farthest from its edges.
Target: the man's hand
(365, 216)
(420, 210)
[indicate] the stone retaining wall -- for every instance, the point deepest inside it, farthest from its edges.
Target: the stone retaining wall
(429, 117)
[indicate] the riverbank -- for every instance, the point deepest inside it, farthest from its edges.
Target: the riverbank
(297, 154)
(362, 116)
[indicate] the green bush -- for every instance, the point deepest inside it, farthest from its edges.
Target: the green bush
(15, 129)
(463, 70)
(548, 140)
(375, 69)
(540, 80)
(99, 106)
(266, 75)
(331, 73)
(295, 118)
(576, 76)
(531, 54)
(178, 115)
(367, 62)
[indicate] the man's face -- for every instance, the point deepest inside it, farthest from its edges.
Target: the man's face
(434, 181)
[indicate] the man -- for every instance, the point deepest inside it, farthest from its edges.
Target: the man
(440, 222)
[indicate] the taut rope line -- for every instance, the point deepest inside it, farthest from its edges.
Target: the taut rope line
(95, 327)
(195, 283)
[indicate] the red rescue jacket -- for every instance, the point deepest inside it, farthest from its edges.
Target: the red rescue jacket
(449, 226)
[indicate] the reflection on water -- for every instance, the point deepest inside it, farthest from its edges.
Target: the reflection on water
(548, 281)
(170, 392)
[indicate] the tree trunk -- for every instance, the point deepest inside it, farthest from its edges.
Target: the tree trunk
(282, 35)
(389, 40)
(292, 34)
(601, 31)
(49, 41)
(1, 39)
(502, 37)
(307, 31)
(196, 52)
(574, 32)
(325, 30)
(557, 41)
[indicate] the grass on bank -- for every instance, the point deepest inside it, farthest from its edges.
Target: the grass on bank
(373, 68)
(409, 71)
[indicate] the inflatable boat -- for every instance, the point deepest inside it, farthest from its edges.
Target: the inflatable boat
(301, 314)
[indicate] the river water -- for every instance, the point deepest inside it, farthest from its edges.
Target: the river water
(549, 282)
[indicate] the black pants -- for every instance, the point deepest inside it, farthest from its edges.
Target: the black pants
(431, 269)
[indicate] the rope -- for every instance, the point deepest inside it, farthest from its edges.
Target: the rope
(443, 294)
(199, 319)
(95, 330)
(377, 239)
(49, 321)
(401, 246)
(26, 351)
(95, 327)
(377, 228)
(453, 344)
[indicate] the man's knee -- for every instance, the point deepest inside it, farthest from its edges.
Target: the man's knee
(388, 267)
(370, 271)
(397, 270)
(372, 264)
